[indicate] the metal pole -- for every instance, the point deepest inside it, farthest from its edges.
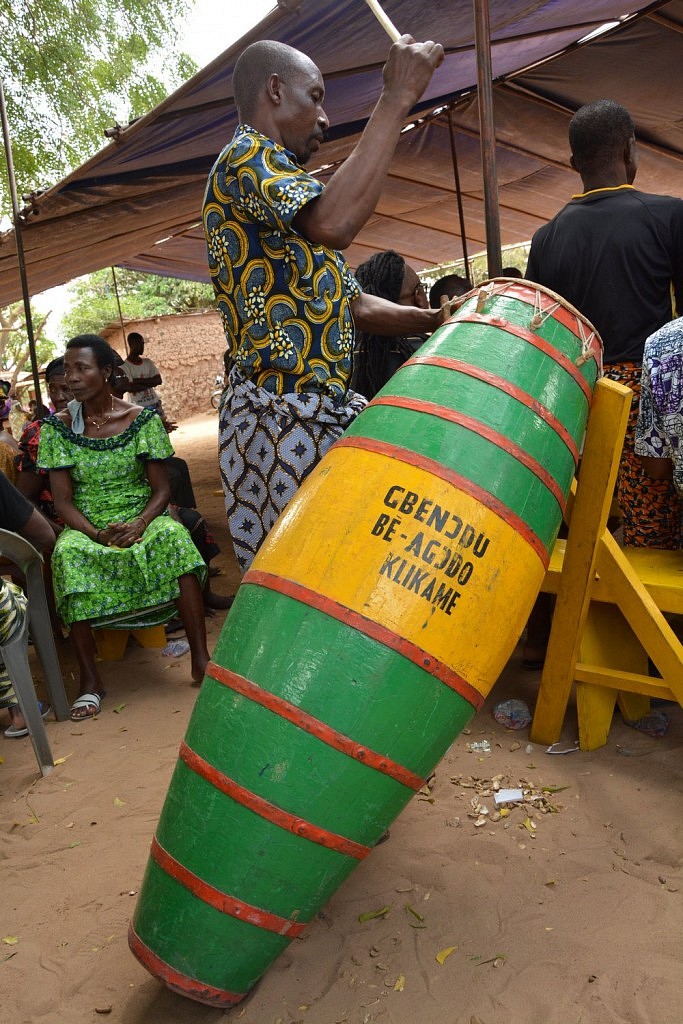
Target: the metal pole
(20, 248)
(458, 193)
(482, 38)
(118, 306)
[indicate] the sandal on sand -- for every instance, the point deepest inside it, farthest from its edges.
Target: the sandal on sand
(13, 733)
(86, 700)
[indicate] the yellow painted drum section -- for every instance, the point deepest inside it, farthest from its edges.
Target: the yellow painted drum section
(412, 553)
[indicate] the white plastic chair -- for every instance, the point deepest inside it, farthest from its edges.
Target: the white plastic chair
(15, 653)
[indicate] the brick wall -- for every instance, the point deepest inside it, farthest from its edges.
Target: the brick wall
(188, 349)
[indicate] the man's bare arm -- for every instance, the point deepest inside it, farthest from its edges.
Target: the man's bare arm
(38, 531)
(376, 315)
(658, 469)
(142, 383)
(351, 195)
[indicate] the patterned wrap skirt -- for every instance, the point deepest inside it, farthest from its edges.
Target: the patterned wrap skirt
(652, 510)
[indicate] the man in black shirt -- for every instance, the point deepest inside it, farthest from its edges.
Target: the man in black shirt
(20, 516)
(617, 255)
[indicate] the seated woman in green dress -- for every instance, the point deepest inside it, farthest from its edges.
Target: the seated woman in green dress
(121, 561)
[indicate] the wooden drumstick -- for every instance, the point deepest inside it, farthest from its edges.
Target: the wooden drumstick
(384, 21)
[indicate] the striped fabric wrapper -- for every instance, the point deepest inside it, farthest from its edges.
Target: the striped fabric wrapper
(12, 611)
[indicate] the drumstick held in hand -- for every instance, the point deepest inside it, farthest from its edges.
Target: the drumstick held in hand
(384, 21)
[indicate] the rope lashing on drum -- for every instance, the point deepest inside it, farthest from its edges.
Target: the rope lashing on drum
(589, 345)
(541, 315)
(588, 339)
(483, 296)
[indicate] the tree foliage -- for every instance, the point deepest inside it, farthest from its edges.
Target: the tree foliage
(94, 305)
(14, 348)
(512, 256)
(72, 68)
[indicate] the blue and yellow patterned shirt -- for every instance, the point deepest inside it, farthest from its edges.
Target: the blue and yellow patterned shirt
(284, 303)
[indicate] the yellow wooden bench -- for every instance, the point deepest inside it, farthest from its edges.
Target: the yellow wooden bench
(610, 601)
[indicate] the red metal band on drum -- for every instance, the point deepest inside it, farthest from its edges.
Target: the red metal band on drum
(313, 726)
(442, 412)
(411, 458)
(501, 384)
(264, 809)
(222, 901)
(533, 339)
(180, 983)
(370, 628)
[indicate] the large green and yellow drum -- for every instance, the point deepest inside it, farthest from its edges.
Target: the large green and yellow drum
(373, 623)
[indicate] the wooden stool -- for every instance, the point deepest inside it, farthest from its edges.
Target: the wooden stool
(112, 643)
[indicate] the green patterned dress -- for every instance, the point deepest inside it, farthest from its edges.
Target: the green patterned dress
(116, 587)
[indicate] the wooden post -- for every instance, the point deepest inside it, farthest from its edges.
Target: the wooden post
(590, 508)
(482, 33)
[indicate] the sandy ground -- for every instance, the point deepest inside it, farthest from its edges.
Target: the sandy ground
(577, 919)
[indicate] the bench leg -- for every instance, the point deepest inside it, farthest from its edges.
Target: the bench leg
(633, 705)
(151, 636)
(554, 691)
(111, 643)
(595, 707)
(607, 641)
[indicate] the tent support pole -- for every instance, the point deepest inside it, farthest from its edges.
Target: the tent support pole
(458, 194)
(482, 37)
(118, 306)
(20, 249)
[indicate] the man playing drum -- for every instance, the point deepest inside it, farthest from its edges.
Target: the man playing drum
(286, 295)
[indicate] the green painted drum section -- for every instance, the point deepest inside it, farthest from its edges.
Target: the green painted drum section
(386, 702)
(355, 685)
(515, 304)
(493, 408)
(492, 348)
(198, 941)
(352, 683)
(475, 458)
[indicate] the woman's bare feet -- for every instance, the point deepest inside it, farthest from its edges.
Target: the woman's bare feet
(91, 690)
(191, 608)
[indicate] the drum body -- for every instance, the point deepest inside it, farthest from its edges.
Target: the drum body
(372, 624)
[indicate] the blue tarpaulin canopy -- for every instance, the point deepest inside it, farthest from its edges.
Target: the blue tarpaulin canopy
(137, 203)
